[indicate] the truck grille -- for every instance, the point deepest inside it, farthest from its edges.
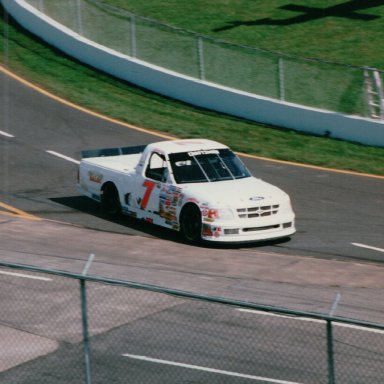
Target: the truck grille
(261, 211)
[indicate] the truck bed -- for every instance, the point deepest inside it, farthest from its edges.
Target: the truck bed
(123, 163)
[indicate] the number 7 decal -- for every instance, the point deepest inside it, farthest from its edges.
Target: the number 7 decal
(149, 185)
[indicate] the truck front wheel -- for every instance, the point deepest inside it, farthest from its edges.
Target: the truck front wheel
(190, 224)
(110, 201)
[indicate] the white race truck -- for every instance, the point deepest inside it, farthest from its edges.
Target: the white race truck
(196, 186)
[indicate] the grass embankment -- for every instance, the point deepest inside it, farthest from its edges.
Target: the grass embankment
(336, 31)
(275, 25)
(39, 63)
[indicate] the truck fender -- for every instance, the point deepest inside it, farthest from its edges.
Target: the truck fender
(110, 199)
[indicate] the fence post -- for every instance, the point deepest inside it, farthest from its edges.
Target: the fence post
(133, 36)
(331, 358)
(330, 354)
(87, 357)
(41, 6)
(79, 18)
(84, 318)
(281, 79)
(200, 54)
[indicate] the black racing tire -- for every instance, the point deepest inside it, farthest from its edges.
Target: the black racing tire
(110, 202)
(190, 223)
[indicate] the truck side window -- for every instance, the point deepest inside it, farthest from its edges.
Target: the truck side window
(157, 168)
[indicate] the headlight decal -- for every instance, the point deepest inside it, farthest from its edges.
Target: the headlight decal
(213, 214)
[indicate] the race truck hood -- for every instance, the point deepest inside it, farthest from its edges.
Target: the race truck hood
(241, 192)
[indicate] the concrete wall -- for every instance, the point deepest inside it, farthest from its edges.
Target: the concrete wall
(194, 91)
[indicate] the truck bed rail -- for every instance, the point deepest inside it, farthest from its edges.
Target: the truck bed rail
(107, 152)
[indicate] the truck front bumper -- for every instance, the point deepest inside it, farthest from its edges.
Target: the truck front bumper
(249, 231)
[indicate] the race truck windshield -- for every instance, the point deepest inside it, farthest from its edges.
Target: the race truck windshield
(207, 166)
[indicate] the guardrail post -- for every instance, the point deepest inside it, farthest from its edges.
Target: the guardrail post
(331, 361)
(79, 18)
(200, 54)
(133, 37)
(84, 318)
(41, 6)
(281, 79)
(86, 346)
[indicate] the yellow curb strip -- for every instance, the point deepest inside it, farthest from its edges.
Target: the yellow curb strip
(169, 137)
(15, 212)
(302, 165)
(82, 109)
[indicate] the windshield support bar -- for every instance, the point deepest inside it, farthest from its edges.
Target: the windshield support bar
(201, 168)
(226, 167)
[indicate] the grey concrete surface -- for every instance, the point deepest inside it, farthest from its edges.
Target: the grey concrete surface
(291, 281)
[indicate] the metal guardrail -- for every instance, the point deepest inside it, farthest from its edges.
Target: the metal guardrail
(310, 82)
(138, 333)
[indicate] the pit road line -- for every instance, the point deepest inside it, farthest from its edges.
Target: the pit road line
(205, 369)
(57, 154)
(368, 247)
(319, 321)
(25, 276)
(6, 134)
(64, 157)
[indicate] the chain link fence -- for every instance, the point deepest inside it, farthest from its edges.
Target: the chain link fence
(58, 327)
(336, 87)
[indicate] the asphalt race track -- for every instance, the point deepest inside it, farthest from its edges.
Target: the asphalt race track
(338, 247)
(333, 210)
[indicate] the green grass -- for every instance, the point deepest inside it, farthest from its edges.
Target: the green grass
(59, 74)
(251, 23)
(340, 39)
(312, 83)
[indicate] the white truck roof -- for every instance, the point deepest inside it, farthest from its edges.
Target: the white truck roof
(115, 159)
(185, 145)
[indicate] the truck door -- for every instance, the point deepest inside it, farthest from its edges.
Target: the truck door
(154, 185)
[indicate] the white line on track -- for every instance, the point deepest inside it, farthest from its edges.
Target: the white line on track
(25, 276)
(6, 134)
(256, 312)
(368, 247)
(168, 137)
(63, 157)
(205, 369)
(358, 327)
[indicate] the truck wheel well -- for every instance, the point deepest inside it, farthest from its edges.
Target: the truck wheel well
(190, 223)
(107, 185)
(188, 206)
(110, 200)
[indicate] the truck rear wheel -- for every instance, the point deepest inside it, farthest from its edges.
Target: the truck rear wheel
(110, 201)
(190, 224)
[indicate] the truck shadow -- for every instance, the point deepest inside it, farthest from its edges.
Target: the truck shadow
(131, 226)
(128, 225)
